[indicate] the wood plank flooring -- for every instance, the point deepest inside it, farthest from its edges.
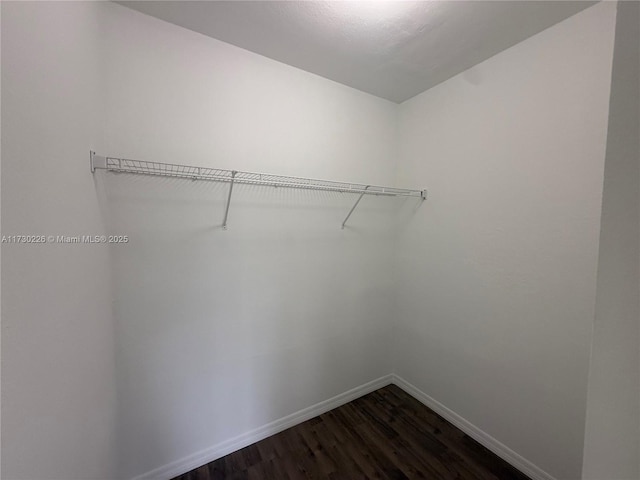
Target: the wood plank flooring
(386, 434)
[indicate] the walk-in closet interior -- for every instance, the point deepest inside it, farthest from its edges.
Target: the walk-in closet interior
(248, 239)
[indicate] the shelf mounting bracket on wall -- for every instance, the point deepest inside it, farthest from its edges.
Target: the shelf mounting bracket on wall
(226, 210)
(96, 161)
(233, 177)
(354, 206)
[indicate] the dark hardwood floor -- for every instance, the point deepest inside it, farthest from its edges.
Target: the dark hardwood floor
(386, 434)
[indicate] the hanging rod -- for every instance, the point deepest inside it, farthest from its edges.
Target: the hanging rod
(126, 165)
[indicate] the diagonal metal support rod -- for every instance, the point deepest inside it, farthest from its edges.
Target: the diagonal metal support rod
(226, 210)
(354, 206)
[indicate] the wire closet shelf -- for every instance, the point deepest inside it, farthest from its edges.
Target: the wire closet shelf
(142, 167)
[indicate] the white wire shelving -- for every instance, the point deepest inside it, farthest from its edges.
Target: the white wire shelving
(142, 167)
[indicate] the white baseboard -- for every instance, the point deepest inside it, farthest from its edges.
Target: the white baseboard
(486, 440)
(221, 449)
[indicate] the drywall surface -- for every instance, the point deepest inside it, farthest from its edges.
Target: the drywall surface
(220, 332)
(0, 250)
(613, 404)
(497, 270)
(58, 369)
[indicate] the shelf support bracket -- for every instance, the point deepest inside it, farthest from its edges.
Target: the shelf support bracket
(226, 210)
(96, 161)
(354, 207)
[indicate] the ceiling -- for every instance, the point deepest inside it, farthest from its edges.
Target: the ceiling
(391, 49)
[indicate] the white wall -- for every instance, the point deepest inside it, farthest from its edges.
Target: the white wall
(58, 371)
(497, 271)
(0, 249)
(220, 332)
(612, 439)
